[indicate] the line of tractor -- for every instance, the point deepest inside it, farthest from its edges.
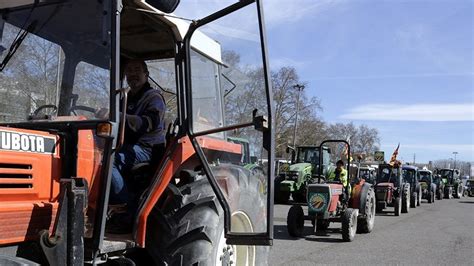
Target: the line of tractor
(352, 194)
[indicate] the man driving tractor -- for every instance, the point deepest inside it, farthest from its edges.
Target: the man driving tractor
(339, 174)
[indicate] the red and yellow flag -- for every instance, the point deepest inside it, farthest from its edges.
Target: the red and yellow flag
(393, 159)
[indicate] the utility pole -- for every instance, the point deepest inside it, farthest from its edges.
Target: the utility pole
(414, 158)
(300, 88)
(455, 153)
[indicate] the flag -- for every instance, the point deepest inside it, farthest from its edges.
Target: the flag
(346, 149)
(393, 159)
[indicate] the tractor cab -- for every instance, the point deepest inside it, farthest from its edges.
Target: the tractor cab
(305, 164)
(368, 173)
(63, 118)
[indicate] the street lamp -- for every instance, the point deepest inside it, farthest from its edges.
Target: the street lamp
(455, 153)
(300, 88)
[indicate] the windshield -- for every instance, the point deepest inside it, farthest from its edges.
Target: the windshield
(446, 173)
(425, 176)
(387, 174)
(408, 175)
(308, 155)
(57, 70)
(364, 173)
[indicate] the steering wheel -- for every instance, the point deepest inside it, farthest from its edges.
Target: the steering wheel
(82, 108)
(35, 114)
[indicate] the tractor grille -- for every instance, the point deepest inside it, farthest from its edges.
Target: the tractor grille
(292, 175)
(16, 176)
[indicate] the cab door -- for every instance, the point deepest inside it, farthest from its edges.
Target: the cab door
(228, 94)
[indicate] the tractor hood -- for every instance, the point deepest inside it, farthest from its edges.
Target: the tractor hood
(301, 168)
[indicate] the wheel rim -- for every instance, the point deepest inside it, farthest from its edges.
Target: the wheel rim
(353, 225)
(245, 255)
(371, 211)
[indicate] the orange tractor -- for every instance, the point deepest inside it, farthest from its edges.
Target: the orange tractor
(352, 205)
(62, 64)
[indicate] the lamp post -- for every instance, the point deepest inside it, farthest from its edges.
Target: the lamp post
(300, 88)
(455, 153)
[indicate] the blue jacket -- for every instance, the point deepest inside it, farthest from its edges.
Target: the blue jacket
(145, 123)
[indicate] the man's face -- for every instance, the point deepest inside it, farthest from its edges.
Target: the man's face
(136, 75)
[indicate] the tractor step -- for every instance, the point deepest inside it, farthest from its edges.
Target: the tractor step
(114, 243)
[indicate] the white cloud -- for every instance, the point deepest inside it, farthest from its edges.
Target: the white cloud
(284, 11)
(414, 112)
(277, 63)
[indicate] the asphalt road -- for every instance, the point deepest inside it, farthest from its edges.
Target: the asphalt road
(441, 233)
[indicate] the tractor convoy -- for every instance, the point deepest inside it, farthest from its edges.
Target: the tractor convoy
(207, 199)
(351, 194)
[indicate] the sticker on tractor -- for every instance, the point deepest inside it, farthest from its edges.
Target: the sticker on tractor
(317, 202)
(13, 141)
(336, 191)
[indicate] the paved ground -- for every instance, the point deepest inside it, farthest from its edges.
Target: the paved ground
(432, 234)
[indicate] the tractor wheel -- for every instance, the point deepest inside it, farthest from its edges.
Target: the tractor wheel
(349, 224)
(405, 208)
(431, 197)
(295, 221)
(418, 201)
(397, 205)
(413, 200)
(186, 227)
(379, 207)
(457, 192)
(322, 224)
(448, 193)
(366, 224)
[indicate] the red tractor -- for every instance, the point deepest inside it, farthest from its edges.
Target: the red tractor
(330, 201)
(391, 189)
(62, 67)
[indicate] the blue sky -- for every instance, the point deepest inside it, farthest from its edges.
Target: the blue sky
(403, 67)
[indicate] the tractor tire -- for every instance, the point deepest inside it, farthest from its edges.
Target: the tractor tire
(405, 208)
(448, 193)
(186, 227)
(457, 192)
(418, 201)
(295, 221)
(379, 207)
(413, 200)
(366, 224)
(322, 224)
(349, 224)
(397, 205)
(430, 197)
(439, 194)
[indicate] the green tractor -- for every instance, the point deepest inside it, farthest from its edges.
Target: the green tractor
(247, 161)
(452, 183)
(304, 164)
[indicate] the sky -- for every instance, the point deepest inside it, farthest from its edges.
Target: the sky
(405, 67)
